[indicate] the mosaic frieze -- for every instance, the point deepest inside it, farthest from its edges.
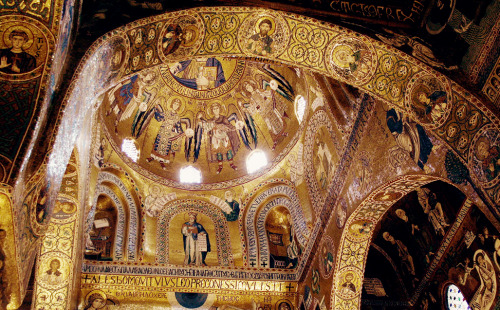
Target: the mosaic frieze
(134, 292)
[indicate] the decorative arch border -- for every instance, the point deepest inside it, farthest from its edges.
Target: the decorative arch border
(129, 211)
(224, 254)
(318, 119)
(271, 197)
(118, 247)
(133, 212)
(264, 254)
(354, 247)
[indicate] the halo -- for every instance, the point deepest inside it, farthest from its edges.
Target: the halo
(223, 109)
(154, 190)
(338, 54)
(482, 139)
(243, 90)
(421, 89)
(150, 82)
(119, 49)
(101, 293)
(193, 39)
(27, 44)
(273, 24)
(349, 273)
(182, 106)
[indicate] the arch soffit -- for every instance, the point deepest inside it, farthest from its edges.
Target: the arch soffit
(353, 248)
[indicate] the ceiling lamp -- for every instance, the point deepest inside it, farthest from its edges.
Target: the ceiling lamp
(300, 107)
(256, 160)
(129, 148)
(190, 174)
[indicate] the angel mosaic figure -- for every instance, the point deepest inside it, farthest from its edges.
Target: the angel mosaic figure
(222, 136)
(169, 138)
(126, 97)
(268, 103)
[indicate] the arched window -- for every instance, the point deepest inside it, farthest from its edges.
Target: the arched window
(300, 107)
(129, 148)
(190, 174)
(256, 160)
(455, 299)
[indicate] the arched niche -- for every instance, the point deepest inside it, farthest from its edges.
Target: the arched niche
(284, 248)
(170, 237)
(104, 232)
(126, 243)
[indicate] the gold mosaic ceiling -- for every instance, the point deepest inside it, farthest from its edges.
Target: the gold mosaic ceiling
(208, 113)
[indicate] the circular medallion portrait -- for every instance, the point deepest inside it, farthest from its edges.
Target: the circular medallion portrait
(326, 257)
(53, 271)
(349, 282)
(352, 59)
(180, 37)
(361, 229)
(23, 48)
(429, 100)
(484, 155)
(263, 35)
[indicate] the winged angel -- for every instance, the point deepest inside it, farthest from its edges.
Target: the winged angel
(221, 135)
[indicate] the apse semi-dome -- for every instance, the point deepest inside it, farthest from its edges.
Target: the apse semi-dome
(210, 113)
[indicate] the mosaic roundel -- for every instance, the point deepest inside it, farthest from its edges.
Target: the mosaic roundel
(429, 100)
(180, 37)
(349, 282)
(24, 48)
(361, 229)
(263, 35)
(326, 257)
(352, 59)
(484, 155)
(114, 56)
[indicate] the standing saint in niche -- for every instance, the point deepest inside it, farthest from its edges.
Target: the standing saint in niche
(196, 242)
